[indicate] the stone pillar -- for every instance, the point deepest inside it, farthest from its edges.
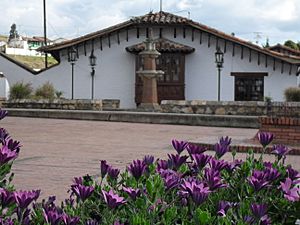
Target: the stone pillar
(149, 75)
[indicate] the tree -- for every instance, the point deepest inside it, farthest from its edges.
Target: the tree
(291, 44)
(13, 33)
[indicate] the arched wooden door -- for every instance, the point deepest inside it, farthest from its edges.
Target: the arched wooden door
(171, 85)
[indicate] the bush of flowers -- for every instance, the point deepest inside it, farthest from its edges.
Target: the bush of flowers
(188, 187)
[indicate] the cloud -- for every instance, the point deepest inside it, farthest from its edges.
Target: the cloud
(275, 19)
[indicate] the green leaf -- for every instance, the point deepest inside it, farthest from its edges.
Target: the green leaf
(202, 217)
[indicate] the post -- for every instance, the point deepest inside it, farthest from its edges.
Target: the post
(93, 74)
(160, 5)
(45, 34)
(72, 96)
(219, 83)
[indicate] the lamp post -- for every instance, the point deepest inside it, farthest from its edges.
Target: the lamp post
(93, 60)
(219, 56)
(72, 57)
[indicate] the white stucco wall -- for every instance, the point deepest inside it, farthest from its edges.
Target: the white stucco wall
(115, 70)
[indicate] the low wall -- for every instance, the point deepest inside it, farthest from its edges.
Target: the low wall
(286, 130)
(253, 108)
(76, 104)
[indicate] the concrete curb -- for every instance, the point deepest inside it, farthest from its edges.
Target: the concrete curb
(141, 117)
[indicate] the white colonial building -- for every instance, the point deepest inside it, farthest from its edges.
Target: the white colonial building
(187, 57)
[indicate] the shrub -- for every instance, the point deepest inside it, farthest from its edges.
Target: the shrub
(190, 187)
(292, 94)
(20, 90)
(46, 91)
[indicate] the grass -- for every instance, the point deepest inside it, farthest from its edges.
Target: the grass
(3, 38)
(34, 62)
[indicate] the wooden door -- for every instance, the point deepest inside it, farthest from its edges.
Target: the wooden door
(171, 85)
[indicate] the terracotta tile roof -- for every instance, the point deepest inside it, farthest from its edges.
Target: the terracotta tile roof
(162, 45)
(285, 50)
(165, 18)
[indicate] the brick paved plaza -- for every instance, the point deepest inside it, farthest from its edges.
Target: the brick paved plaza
(54, 151)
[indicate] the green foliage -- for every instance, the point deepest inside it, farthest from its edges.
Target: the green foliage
(292, 94)
(46, 91)
(20, 90)
(13, 33)
(291, 44)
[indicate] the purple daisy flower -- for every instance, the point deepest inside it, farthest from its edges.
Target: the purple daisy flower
(179, 146)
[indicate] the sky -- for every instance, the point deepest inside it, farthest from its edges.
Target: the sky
(252, 20)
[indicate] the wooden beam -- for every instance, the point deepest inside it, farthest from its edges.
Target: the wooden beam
(282, 66)
(242, 52)
(193, 34)
(175, 32)
(108, 40)
(250, 55)
(290, 72)
(93, 44)
(217, 43)
(233, 49)
(118, 36)
(208, 42)
(147, 32)
(258, 58)
(184, 32)
(84, 47)
(137, 32)
(101, 47)
(200, 41)
(127, 35)
(160, 32)
(266, 61)
(274, 64)
(225, 46)
(77, 51)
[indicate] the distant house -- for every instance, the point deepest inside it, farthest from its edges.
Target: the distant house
(187, 50)
(26, 46)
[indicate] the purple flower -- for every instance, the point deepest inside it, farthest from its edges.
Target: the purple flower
(7, 155)
(91, 222)
(3, 113)
(82, 192)
(103, 167)
(233, 165)
(171, 181)
(68, 220)
(162, 164)
(179, 146)
(221, 149)
(293, 174)
(3, 135)
(201, 160)
(218, 164)
(133, 193)
(195, 149)
(197, 191)
(223, 207)
(6, 197)
(280, 151)
(113, 173)
(148, 159)
(12, 145)
(290, 193)
(78, 180)
(176, 160)
(212, 179)
(24, 198)
(52, 216)
(225, 141)
(257, 180)
(271, 174)
(137, 168)
(112, 200)
(7, 221)
(265, 138)
(260, 213)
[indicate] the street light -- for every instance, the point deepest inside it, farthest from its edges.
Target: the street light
(93, 60)
(219, 56)
(72, 58)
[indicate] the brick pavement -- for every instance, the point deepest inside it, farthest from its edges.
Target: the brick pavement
(54, 151)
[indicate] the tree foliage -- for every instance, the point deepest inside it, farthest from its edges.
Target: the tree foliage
(13, 33)
(292, 44)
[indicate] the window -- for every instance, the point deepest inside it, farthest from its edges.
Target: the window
(249, 86)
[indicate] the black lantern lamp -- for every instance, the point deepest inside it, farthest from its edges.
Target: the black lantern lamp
(219, 56)
(93, 60)
(72, 58)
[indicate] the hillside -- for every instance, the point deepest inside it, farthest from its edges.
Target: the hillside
(34, 62)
